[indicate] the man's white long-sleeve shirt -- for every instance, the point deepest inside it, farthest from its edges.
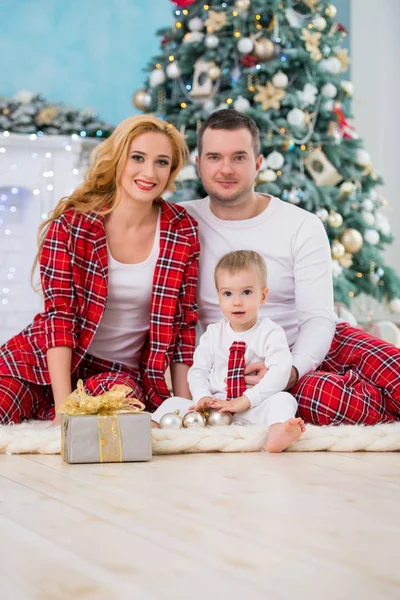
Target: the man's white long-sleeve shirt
(265, 341)
(296, 249)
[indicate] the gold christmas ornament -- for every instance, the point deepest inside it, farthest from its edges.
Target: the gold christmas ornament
(215, 21)
(312, 4)
(141, 99)
(344, 59)
(311, 42)
(337, 250)
(352, 240)
(335, 219)
(47, 115)
(214, 72)
(268, 96)
(347, 260)
(264, 49)
(242, 5)
(331, 11)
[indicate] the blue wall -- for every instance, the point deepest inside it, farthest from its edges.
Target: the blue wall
(89, 53)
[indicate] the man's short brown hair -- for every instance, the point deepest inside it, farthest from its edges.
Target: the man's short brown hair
(230, 120)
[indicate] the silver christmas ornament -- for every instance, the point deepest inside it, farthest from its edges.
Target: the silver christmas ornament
(193, 419)
(171, 421)
(216, 418)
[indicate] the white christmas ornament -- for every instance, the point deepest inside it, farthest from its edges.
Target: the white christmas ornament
(24, 97)
(280, 80)
(157, 77)
(394, 305)
(382, 223)
(368, 218)
(211, 41)
(331, 65)
(293, 196)
(275, 160)
(347, 87)
(173, 71)
(193, 37)
(319, 23)
(347, 188)
(363, 158)
(322, 214)
(368, 205)
(337, 269)
(372, 237)
(269, 176)
(196, 24)
(329, 90)
(245, 45)
(296, 117)
(294, 18)
(308, 94)
(241, 104)
(328, 106)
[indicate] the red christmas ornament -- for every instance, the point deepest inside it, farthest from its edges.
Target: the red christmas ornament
(347, 130)
(165, 40)
(341, 28)
(248, 60)
(183, 3)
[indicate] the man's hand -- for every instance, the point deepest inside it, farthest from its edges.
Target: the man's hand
(293, 379)
(202, 404)
(236, 405)
(254, 372)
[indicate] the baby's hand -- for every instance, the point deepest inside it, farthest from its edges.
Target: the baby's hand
(202, 404)
(236, 405)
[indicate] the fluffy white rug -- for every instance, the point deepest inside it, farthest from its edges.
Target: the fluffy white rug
(40, 437)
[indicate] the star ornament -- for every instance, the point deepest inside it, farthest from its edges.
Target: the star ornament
(269, 96)
(312, 41)
(344, 59)
(215, 21)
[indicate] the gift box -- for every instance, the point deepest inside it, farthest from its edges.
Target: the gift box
(105, 428)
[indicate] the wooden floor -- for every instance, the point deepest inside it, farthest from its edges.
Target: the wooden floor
(253, 526)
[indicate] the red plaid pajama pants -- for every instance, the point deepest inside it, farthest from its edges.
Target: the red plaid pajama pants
(358, 382)
(21, 399)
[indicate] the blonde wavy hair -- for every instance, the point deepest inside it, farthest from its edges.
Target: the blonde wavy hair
(98, 191)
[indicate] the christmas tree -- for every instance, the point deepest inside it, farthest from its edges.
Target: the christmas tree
(281, 62)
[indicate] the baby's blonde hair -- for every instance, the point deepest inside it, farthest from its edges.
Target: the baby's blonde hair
(242, 260)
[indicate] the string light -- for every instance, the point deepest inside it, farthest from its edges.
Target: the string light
(183, 105)
(178, 24)
(229, 101)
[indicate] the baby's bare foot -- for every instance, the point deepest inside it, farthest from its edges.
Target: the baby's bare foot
(281, 435)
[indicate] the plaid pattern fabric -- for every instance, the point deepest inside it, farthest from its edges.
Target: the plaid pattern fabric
(358, 382)
(235, 384)
(74, 275)
(21, 400)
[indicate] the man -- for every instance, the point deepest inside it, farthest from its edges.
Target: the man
(339, 374)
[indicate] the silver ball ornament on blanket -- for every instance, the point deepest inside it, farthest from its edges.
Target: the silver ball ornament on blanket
(216, 418)
(171, 421)
(193, 419)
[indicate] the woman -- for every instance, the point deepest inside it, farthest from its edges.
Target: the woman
(118, 270)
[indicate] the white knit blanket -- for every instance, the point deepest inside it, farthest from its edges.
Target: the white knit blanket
(40, 437)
